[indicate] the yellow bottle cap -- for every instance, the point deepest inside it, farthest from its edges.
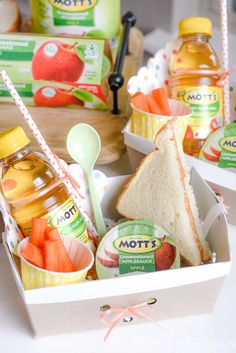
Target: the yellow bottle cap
(12, 141)
(194, 25)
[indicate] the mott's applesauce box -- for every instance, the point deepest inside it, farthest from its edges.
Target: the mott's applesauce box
(136, 247)
(56, 71)
(95, 18)
(220, 148)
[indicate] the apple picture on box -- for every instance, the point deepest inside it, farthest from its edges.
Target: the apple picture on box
(57, 61)
(50, 96)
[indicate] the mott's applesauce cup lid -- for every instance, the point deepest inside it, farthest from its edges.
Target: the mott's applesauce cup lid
(136, 247)
(12, 141)
(194, 25)
(219, 148)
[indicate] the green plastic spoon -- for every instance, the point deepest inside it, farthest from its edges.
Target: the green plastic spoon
(84, 145)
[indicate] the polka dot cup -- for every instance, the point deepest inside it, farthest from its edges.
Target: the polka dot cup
(147, 125)
(34, 277)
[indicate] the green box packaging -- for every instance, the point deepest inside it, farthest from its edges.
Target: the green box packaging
(55, 71)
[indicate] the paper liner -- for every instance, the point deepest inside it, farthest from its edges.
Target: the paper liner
(34, 277)
(147, 125)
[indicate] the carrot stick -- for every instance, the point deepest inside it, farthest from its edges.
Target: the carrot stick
(65, 260)
(37, 234)
(153, 106)
(139, 100)
(161, 98)
(56, 257)
(34, 255)
(50, 256)
(52, 233)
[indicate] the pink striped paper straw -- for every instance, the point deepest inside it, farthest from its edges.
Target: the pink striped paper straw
(225, 57)
(33, 127)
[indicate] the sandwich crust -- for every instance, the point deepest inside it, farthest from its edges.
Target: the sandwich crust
(188, 205)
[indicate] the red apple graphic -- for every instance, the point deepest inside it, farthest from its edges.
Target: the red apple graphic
(214, 124)
(211, 157)
(165, 256)
(111, 252)
(112, 255)
(57, 61)
(215, 151)
(49, 96)
(107, 261)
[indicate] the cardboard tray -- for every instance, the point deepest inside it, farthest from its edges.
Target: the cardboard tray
(219, 179)
(76, 307)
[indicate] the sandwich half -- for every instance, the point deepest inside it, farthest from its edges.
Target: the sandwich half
(160, 191)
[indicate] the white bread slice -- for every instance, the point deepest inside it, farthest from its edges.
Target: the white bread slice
(10, 18)
(160, 191)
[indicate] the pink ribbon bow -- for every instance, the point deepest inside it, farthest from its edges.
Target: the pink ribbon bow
(119, 313)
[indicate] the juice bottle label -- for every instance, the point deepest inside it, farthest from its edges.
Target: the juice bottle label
(68, 220)
(207, 105)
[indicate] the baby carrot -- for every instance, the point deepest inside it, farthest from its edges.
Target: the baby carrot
(153, 106)
(33, 254)
(56, 257)
(37, 234)
(139, 100)
(160, 96)
(52, 233)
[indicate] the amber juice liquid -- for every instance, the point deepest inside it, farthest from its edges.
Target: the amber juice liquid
(199, 91)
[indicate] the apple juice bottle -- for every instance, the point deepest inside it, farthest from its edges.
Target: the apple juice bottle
(32, 189)
(194, 76)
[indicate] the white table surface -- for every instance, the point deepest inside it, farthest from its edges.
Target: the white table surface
(214, 333)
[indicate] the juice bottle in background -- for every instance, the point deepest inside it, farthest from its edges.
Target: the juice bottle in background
(194, 76)
(31, 187)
